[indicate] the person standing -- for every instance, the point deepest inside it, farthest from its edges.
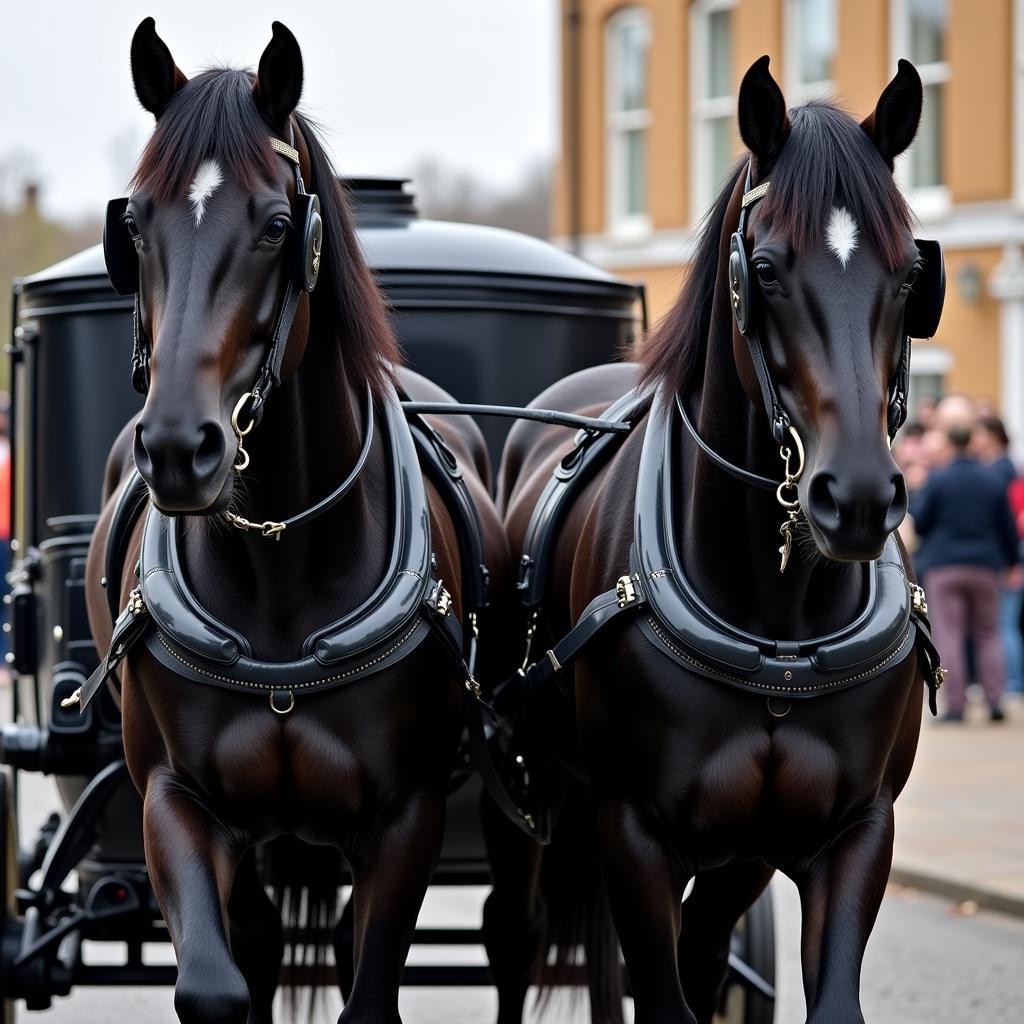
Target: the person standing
(968, 540)
(991, 444)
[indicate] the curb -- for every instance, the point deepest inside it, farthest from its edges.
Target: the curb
(957, 890)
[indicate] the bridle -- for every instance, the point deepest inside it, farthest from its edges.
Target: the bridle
(123, 269)
(918, 322)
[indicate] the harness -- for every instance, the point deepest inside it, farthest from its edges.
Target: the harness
(673, 617)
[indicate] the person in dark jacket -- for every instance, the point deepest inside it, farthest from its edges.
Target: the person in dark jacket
(968, 539)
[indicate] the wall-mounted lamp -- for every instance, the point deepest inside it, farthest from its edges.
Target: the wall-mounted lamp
(969, 282)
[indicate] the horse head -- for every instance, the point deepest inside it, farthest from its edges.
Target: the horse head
(222, 245)
(827, 284)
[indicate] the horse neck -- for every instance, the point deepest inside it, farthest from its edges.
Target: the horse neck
(305, 445)
(730, 530)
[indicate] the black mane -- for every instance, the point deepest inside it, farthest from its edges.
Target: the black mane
(214, 116)
(827, 160)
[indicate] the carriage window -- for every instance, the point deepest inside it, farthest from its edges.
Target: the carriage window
(919, 33)
(811, 34)
(628, 39)
(713, 135)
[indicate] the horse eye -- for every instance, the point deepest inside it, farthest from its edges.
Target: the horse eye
(133, 228)
(912, 277)
(276, 229)
(765, 272)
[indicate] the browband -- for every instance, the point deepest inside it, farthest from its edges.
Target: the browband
(288, 152)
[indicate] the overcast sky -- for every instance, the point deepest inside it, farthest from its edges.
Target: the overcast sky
(472, 83)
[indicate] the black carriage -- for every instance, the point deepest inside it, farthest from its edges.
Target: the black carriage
(492, 316)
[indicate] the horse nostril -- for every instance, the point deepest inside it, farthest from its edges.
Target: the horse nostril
(141, 454)
(821, 500)
(210, 452)
(898, 505)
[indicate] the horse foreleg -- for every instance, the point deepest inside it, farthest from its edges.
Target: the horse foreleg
(719, 899)
(191, 860)
(514, 918)
(840, 894)
(257, 939)
(645, 892)
(390, 875)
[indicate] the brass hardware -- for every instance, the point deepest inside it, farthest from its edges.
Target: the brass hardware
(940, 677)
(755, 193)
(288, 152)
(269, 528)
(473, 686)
(787, 675)
(282, 711)
(136, 606)
(75, 698)
(625, 590)
(555, 663)
(444, 600)
(918, 600)
(242, 458)
(791, 505)
(784, 707)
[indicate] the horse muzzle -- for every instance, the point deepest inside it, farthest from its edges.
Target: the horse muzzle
(186, 466)
(851, 516)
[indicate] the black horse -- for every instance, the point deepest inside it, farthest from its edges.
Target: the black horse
(224, 241)
(804, 313)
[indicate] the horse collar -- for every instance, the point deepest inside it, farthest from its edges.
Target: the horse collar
(681, 624)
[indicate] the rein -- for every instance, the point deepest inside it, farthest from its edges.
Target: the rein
(274, 529)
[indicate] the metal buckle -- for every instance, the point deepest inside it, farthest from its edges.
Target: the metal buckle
(443, 602)
(918, 600)
(625, 590)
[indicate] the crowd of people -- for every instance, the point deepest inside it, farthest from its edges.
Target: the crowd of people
(965, 533)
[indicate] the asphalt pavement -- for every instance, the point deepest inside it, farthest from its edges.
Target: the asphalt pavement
(930, 961)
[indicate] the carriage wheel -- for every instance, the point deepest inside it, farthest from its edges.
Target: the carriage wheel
(8, 876)
(753, 943)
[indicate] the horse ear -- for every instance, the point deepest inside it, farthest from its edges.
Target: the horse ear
(764, 124)
(893, 123)
(155, 75)
(279, 79)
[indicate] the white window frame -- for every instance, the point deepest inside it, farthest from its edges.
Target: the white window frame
(622, 225)
(796, 91)
(1018, 102)
(702, 108)
(933, 201)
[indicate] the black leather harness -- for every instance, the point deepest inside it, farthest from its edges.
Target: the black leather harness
(673, 617)
(408, 605)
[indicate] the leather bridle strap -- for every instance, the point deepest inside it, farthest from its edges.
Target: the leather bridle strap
(269, 376)
(743, 475)
(273, 528)
(778, 418)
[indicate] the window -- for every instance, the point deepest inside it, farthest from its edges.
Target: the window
(930, 365)
(627, 43)
(811, 34)
(919, 34)
(713, 135)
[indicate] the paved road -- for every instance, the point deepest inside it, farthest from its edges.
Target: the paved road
(928, 963)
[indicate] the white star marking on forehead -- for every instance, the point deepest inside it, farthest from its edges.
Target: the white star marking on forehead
(207, 178)
(841, 237)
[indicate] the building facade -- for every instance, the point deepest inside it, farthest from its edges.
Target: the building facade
(649, 132)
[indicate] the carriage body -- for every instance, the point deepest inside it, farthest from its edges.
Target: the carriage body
(492, 316)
